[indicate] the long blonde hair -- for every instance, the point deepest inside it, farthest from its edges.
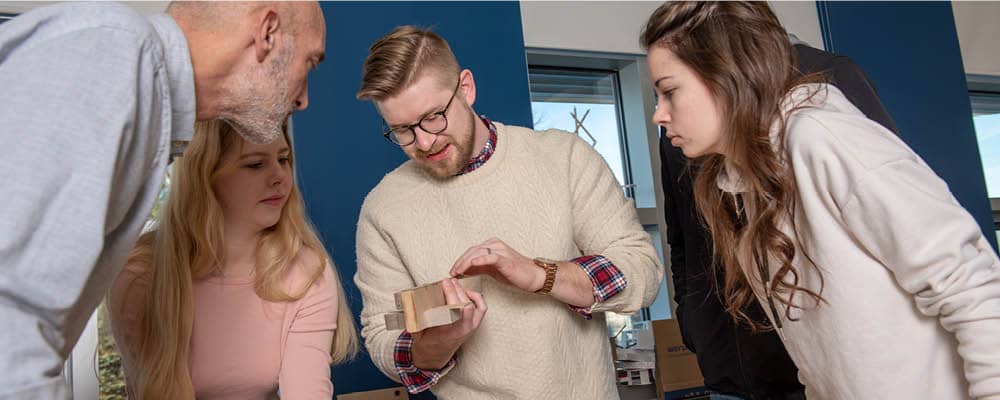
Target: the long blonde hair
(187, 245)
(743, 55)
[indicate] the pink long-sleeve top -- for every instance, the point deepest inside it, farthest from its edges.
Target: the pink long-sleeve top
(243, 347)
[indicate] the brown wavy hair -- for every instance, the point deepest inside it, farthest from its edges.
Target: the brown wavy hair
(743, 55)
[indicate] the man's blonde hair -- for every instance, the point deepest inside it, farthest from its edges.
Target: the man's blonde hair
(402, 56)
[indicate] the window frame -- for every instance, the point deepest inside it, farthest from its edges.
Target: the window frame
(981, 88)
(629, 184)
(636, 101)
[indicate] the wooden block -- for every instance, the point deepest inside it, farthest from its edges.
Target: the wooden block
(409, 310)
(438, 316)
(425, 306)
(395, 321)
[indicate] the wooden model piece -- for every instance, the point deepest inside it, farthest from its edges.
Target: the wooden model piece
(425, 307)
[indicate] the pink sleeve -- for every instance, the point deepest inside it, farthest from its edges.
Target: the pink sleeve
(305, 364)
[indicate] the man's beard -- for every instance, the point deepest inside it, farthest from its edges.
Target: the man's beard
(463, 150)
(258, 103)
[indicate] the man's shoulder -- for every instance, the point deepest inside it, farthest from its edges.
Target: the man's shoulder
(69, 18)
(549, 144)
(400, 183)
(104, 14)
(551, 135)
(558, 149)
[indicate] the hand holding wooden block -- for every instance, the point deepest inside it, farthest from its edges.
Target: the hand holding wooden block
(424, 307)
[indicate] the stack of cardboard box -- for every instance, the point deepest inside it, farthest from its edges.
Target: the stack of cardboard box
(677, 372)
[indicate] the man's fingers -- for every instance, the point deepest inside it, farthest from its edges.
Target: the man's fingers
(476, 265)
(491, 259)
(480, 310)
(459, 291)
(463, 259)
(450, 292)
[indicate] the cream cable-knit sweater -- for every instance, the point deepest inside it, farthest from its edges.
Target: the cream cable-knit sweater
(546, 194)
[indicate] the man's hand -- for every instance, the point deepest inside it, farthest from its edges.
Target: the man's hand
(434, 347)
(498, 260)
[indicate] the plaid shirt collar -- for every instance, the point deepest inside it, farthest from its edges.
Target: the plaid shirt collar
(486, 153)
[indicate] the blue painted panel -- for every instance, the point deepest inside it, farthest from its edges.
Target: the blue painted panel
(910, 50)
(340, 152)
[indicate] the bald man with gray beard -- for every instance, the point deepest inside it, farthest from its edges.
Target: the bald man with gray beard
(97, 99)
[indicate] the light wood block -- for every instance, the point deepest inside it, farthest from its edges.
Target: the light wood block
(425, 307)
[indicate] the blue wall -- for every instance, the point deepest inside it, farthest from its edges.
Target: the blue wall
(340, 151)
(910, 50)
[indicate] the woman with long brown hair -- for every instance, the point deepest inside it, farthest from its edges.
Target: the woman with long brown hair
(879, 283)
(231, 295)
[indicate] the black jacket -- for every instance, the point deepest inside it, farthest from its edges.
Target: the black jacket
(732, 359)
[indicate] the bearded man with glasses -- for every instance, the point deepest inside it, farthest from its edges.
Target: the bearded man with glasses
(540, 213)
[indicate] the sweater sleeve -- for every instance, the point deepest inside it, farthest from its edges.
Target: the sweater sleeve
(305, 361)
(380, 274)
(903, 214)
(937, 253)
(605, 223)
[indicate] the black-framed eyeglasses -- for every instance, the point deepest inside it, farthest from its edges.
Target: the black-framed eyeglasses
(433, 123)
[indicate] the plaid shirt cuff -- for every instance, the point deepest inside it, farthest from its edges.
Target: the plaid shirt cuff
(415, 379)
(608, 281)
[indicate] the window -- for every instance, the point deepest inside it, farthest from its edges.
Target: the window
(584, 102)
(984, 94)
(607, 101)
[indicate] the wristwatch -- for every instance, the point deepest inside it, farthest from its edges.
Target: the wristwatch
(550, 268)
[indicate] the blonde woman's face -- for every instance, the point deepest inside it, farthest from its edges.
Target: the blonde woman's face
(685, 106)
(253, 184)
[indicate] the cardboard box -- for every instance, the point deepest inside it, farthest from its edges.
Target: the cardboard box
(676, 366)
(381, 394)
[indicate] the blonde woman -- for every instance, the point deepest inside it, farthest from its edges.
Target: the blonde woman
(232, 296)
(879, 283)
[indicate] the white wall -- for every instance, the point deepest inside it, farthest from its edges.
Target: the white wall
(801, 19)
(978, 30)
(143, 7)
(614, 26)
